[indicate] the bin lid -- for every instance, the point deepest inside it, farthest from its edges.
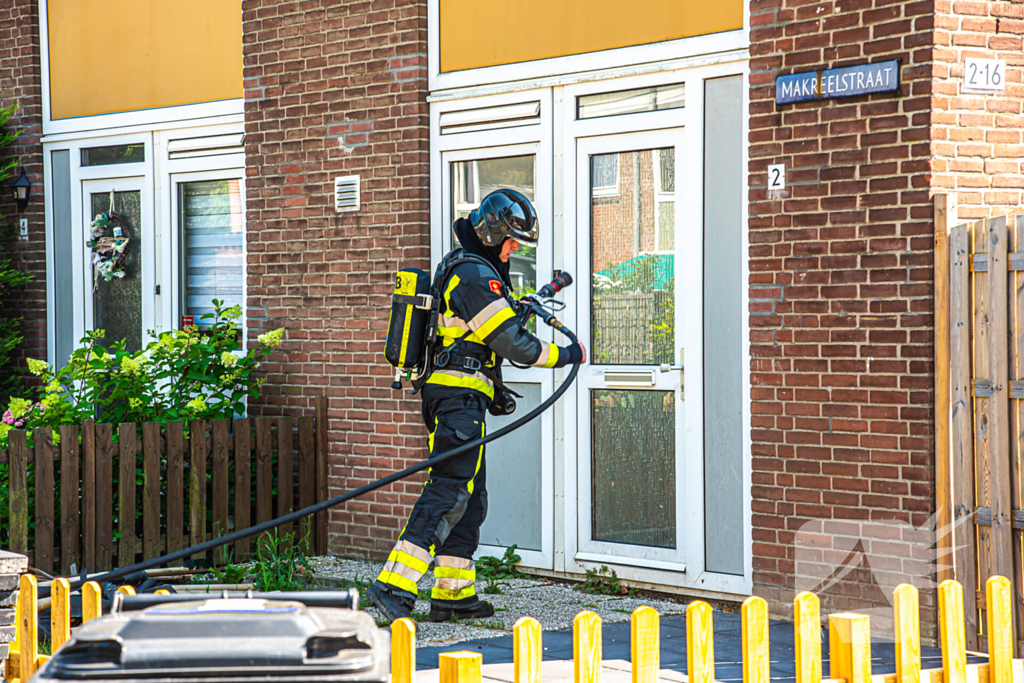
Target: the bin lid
(225, 639)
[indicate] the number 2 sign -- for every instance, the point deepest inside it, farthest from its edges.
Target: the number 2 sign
(777, 177)
(984, 75)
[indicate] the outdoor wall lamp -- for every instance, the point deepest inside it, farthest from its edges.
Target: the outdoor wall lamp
(21, 189)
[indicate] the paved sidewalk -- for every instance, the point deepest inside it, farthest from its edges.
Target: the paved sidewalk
(497, 653)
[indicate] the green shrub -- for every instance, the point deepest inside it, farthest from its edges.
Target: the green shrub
(190, 374)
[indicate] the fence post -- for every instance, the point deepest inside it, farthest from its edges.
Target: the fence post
(951, 632)
(700, 643)
(945, 217)
(403, 651)
(849, 647)
(586, 648)
(527, 650)
(44, 494)
(999, 604)
(126, 590)
(60, 613)
(961, 536)
(126, 441)
(92, 601)
(320, 525)
(645, 644)
(17, 482)
(70, 479)
(28, 626)
(908, 634)
(807, 637)
(460, 667)
(756, 656)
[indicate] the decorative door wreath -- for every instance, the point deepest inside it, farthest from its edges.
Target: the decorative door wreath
(109, 252)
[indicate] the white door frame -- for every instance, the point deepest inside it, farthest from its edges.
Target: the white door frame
(689, 211)
(594, 375)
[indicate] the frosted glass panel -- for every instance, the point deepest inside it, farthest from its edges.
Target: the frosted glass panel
(634, 467)
(211, 223)
(633, 258)
(117, 305)
(514, 472)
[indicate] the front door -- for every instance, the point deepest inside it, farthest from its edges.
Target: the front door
(119, 287)
(637, 259)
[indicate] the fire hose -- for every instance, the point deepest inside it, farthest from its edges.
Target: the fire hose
(541, 305)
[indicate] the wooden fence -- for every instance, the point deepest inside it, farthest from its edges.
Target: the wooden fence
(979, 395)
(172, 490)
(849, 641)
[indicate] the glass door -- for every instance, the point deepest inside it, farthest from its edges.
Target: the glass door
(637, 262)
(120, 287)
(520, 487)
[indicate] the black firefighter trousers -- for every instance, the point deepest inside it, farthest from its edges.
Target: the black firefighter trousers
(444, 525)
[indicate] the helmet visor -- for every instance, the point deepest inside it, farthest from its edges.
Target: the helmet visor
(522, 227)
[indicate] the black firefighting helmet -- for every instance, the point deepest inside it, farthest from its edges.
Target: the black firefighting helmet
(503, 214)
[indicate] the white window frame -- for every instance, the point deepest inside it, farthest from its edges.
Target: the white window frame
(153, 118)
(159, 206)
(535, 139)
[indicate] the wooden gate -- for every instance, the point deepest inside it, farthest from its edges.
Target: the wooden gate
(980, 433)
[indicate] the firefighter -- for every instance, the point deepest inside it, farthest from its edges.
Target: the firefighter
(477, 328)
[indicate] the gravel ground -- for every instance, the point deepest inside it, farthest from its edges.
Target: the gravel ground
(554, 605)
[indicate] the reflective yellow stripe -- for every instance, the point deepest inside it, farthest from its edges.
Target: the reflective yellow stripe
(492, 323)
(449, 594)
(552, 356)
(409, 561)
(398, 581)
(454, 573)
(444, 379)
(479, 459)
(405, 336)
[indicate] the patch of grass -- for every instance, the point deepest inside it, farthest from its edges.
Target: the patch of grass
(624, 611)
(420, 616)
(492, 587)
(45, 647)
(280, 564)
(601, 582)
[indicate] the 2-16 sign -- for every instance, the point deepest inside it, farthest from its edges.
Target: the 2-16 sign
(984, 75)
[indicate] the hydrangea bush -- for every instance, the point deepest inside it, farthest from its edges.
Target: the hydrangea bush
(195, 373)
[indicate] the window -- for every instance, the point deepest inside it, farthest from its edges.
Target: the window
(474, 180)
(605, 174)
(631, 101)
(114, 154)
(210, 214)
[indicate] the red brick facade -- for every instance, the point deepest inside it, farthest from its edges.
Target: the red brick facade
(331, 91)
(841, 298)
(21, 82)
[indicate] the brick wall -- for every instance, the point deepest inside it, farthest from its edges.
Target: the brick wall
(977, 144)
(336, 89)
(840, 310)
(20, 82)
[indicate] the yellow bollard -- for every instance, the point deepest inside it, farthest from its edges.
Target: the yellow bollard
(60, 613)
(756, 656)
(700, 643)
(126, 590)
(951, 632)
(460, 667)
(403, 651)
(849, 647)
(908, 634)
(807, 637)
(162, 591)
(28, 626)
(586, 648)
(645, 644)
(999, 601)
(527, 650)
(92, 601)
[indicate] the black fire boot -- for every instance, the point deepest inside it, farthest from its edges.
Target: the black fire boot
(392, 606)
(471, 609)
